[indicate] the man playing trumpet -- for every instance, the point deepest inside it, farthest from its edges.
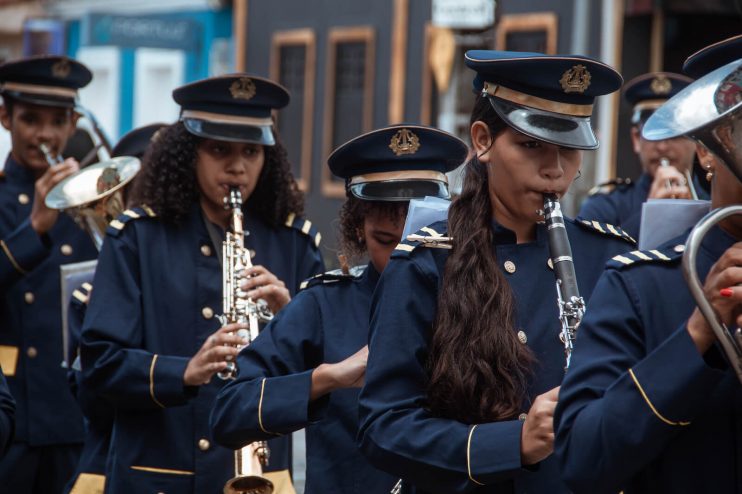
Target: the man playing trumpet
(39, 98)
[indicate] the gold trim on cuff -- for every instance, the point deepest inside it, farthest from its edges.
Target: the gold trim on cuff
(468, 456)
(161, 470)
(11, 258)
(152, 382)
(524, 99)
(654, 410)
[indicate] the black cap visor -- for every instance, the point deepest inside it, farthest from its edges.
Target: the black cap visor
(221, 131)
(40, 99)
(399, 190)
(554, 128)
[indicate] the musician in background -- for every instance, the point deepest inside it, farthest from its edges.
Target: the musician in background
(7, 416)
(151, 342)
(465, 358)
(664, 163)
(90, 472)
(306, 368)
(650, 403)
(39, 97)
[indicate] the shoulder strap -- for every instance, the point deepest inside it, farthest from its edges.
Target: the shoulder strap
(304, 226)
(605, 229)
(116, 226)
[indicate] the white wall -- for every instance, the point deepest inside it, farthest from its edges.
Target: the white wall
(102, 95)
(156, 73)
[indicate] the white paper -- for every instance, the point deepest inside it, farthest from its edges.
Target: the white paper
(424, 212)
(665, 219)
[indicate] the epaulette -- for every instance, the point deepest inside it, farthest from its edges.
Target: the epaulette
(605, 229)
(609, 186)
(304, 226)
(82, 294)
(334, 276)
(433, 236)
(673, 253)
(116, 226)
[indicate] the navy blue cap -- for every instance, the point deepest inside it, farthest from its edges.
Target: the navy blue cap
(136, 141)
(713, 56)
(398, 163)
(44, 80)
(548, 97)
(648, 92)
(235, 107)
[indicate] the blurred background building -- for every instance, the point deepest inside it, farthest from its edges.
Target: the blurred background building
(354, 65)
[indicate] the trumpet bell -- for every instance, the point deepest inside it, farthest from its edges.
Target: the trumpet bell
(93, 196)
(709, 111)
(249, 484)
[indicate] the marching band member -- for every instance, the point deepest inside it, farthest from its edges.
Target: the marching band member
(39, 97)
(464, 355)
(91, 468)
(306, 367)
(7, 416)
(650, 404)
(151, 342)
(664, 163)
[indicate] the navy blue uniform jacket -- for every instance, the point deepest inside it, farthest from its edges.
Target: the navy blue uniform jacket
(31, 316)
(158, 289)
(327, 322)
(640, 409)
(397, 433)
(621, 207)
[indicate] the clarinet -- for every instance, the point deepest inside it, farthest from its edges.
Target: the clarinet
(571, 304)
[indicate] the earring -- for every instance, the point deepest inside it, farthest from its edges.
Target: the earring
(709, 173)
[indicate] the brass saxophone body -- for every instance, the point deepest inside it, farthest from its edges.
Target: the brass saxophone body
(238, 308)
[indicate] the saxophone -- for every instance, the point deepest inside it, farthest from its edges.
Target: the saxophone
(571, 304)
(248, 460)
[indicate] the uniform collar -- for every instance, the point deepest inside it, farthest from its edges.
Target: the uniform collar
(16, 172)
(370, 275)
(503, 235)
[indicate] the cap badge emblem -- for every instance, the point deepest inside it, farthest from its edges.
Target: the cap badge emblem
(661, 85)
(242, 88)
(575, 80)
(61, 69)
(404, 142)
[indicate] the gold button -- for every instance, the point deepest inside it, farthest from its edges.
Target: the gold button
(550, 263)
(522, 417)
(32, 352)
(207, 312)
(66, 249)
(679, 248)
(28, 297)
(205, 250)
(203, 444)
(509, 267)
(522, 337)
(23, 198)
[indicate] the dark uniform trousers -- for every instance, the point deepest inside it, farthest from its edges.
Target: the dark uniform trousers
(327, 322)
(49, 425)
(437, 455)
(641, 410)
(157, 291)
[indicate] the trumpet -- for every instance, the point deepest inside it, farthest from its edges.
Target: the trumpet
(238, 308)
(50, 158)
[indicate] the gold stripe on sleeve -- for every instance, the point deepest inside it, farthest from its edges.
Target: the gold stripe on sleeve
(646, 398)
(152, 382)
(11, 258)
(468, 455)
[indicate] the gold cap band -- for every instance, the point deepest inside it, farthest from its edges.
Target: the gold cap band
(227, 119)
(649, 104)
(524, 99)
(39, 89)
(399, 175)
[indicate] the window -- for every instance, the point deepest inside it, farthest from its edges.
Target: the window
(348, 93)
(293, 61)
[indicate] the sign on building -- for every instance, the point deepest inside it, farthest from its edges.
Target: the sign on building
(464, 14)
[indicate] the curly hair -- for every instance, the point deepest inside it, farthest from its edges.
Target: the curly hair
(167, 182)
(478, 369)
(353, 213)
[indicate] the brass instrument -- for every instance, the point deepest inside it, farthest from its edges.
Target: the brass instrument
(709, 111)
(93, 196)
(571, 304)
(238, 308)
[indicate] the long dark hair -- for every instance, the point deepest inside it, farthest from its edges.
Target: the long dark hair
(353, 213)
(478, 369)
(167, 182)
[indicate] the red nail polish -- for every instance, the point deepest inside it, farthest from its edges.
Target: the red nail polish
(726, 292)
